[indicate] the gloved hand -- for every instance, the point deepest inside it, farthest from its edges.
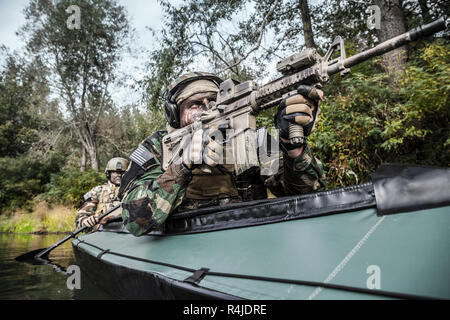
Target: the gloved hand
(113, 215)
(302, 109)
(89, 221)
(205, 147)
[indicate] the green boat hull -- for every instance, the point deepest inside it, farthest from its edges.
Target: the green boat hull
(358, 254)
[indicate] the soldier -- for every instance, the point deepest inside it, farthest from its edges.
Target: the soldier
(104, 197)
(151, 194)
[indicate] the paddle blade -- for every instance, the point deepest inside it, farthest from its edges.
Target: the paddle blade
(30, 257)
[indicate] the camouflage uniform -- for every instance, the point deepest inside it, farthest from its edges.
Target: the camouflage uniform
(102, 198)
(150, 199)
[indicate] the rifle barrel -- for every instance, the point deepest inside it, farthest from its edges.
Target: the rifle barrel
(391, 44)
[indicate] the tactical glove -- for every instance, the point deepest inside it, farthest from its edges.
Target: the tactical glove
(113, 215)
(89, 221)
(205, 147)
(302, 109)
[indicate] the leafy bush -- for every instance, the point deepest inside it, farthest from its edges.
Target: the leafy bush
(365, 122)
(23, 178)
(69, 185)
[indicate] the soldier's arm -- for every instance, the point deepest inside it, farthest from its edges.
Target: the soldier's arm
(89, 207)
(303, 174)
(153, 197)
(300, 175)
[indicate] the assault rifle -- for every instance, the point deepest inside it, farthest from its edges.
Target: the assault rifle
(238, 104)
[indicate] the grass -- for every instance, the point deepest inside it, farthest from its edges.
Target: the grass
(42, 219)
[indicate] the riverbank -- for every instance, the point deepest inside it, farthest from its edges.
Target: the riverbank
(43, 219)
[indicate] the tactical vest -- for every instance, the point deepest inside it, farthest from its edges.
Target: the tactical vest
(216, 185)
(106, 198)
(204, 189)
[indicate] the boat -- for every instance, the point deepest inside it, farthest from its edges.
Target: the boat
(386, 239)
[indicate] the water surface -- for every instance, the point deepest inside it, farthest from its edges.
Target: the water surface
(24, 281)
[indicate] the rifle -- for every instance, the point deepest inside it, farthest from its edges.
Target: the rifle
(238, 104)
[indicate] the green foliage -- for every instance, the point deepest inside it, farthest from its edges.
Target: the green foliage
(124, 129)
(42, 219)
(23, 224)
(364, 122)
(69, 185)
(265, 119)
(82, 61)
(23, 178)
(17, 124)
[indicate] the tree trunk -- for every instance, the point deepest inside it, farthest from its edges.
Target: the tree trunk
(92, 151)
(307, 26)
(83, 159)
(89, 143)
(91, 148)
(392, 24)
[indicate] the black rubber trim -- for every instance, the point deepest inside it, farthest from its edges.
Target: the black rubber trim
(396, 188)
(252, 213)
(122, 282)
(205, 272)
(400, 188)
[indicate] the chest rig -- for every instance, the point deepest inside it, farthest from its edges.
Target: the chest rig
(107, 198)
(220, 186)
(216, 184)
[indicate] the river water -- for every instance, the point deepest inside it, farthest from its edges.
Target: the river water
(23, 281)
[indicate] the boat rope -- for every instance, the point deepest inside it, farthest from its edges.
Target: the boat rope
(205, 272)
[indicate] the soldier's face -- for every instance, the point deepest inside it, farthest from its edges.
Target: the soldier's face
(116, 177)
(192, 108)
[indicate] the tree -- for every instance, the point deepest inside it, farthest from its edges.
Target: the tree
(18, 126)
(347, 19)
(25, 161)
(392, 24)
(237, 38)
(82, 59)
(307, 27)
(123, 129)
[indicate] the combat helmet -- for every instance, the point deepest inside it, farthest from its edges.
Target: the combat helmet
(171, 109)
(116, 164)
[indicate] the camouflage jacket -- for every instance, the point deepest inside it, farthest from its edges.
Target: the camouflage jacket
(98, 200)
(148, 201)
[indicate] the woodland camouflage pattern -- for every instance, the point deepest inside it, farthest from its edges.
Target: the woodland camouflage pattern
(102, 199)
(152, 197)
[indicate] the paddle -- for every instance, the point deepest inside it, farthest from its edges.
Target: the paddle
(36, 256)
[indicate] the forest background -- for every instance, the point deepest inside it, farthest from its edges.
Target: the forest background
(60, 123)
